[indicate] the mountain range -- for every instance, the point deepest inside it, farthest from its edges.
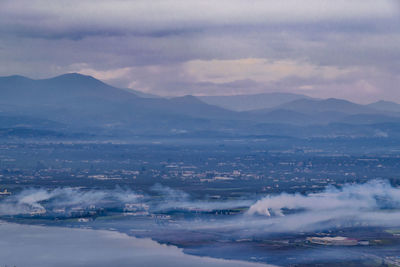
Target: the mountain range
(73, 104)
(251, 102)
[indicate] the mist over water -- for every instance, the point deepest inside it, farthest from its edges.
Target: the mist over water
(375, 203)
(31, 200)
(188, 219)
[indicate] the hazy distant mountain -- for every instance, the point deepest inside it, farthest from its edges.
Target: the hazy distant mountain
(20, 121)
(21, 91)
(83, 102)
(312, 106)
(251, 102)
(369, 119)
(315, 111)
(76, 105)
(141, 94)
(385, 106)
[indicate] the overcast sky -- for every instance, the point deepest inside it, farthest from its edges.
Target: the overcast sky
(323, 48)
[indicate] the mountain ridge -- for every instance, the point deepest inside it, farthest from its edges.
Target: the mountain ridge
(79, 103)
(251, 102)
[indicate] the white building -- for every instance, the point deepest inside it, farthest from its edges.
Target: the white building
(333, 241)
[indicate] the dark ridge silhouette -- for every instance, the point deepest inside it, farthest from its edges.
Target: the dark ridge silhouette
(75, 103)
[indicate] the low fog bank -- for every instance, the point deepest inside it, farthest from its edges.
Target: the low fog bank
(372, 204)
(375, 203)
(36, 246)
(354, 206)
(30, 200)
(64, 200)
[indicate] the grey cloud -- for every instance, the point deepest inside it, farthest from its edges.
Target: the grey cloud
(364, 84)
(46, 38)
(74, 19)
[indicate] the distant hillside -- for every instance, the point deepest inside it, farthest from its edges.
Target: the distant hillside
(385, 106)
(315, 111)
(369, 119)
(83, 102)
(141, 94)
(251, 102)
(22, 91)
(75, 105)
(327, 105)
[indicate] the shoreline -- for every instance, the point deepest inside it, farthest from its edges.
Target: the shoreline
(25, 245)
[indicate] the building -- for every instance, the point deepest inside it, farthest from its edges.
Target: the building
(333, 241)
(5, 192)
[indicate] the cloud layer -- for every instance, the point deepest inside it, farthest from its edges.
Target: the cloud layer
(323, 48)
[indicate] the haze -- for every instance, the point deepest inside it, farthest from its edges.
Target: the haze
(192, 133)
(321, 48)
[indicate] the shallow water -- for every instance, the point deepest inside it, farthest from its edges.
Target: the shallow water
(31, 246)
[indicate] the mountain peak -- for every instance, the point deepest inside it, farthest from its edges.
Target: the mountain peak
(73, 87)
(14, 78)
(77, 81)
(336, 100)
(75, 76)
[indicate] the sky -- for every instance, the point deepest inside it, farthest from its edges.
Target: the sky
(322, 48)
